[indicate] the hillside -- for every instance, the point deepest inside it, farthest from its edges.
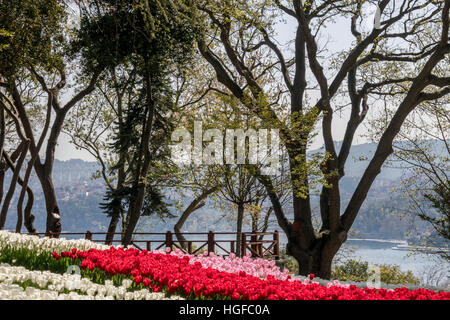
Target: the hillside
(79, 198)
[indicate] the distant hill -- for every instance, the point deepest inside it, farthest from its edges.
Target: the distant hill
(79, 198)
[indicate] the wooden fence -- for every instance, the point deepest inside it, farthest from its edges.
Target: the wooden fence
(259, 244)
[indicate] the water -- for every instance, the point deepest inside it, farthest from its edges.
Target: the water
(386, 252)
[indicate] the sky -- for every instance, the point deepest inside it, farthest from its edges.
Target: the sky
(338, 38)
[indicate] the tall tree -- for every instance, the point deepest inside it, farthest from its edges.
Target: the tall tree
(156, 38)
(36, 50)
(398, 57)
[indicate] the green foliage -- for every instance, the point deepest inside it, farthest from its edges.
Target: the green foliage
(353, 270)
(358, 271)
(158, 31)
(440, 200)
(31, 34)
(4, 34)
(46, 262)
(33, 261)
(289, 262)
(150, 40)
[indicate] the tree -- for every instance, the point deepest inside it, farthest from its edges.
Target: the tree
(242, 189)
(35, 51)
(397, 59)
(12, 143)
(424, 147)
(91, 127)
(155, 37)
(197, 203)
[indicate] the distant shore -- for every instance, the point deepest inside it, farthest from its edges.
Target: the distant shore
(403, 245)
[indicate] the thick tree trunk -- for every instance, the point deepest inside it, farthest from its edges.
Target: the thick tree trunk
(240, 218)
(134, 213)
(53, 225)
(317, 259)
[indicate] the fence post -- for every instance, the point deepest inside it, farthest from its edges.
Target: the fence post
(243, 245)
(149, 246)
(210, 241)
(254, 245)
(276, 249)
(88, 235)
(169, 241)
(232, 247)
(260, 250)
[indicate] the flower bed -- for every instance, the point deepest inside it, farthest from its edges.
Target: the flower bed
(40, 245)
(20, 283)
(170, 274)
(258, 267)
(159, 271)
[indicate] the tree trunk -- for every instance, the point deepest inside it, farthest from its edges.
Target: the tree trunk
(134, 213)
(318, 259)
(44, 171)
(240, 218)
(111, 230)
(266, 222)
(140, 184)
(121, 175)
(28, 216)
(53, 225)
(117, 210)
(3, 166)
(12, 187)
(117, 214)
(2, 177)
(196, 204)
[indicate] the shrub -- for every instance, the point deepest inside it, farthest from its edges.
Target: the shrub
(353, 270)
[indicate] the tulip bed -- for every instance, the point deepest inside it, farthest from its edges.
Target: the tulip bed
(19, 283)
(159, 271)
(40, 276)
(168, 274)
(258, 267)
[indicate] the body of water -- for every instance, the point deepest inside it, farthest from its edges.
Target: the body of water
(389, 252)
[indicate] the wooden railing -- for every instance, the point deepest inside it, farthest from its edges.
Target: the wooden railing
(259, 244)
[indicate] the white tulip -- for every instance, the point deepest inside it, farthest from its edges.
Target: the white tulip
(52, 285)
